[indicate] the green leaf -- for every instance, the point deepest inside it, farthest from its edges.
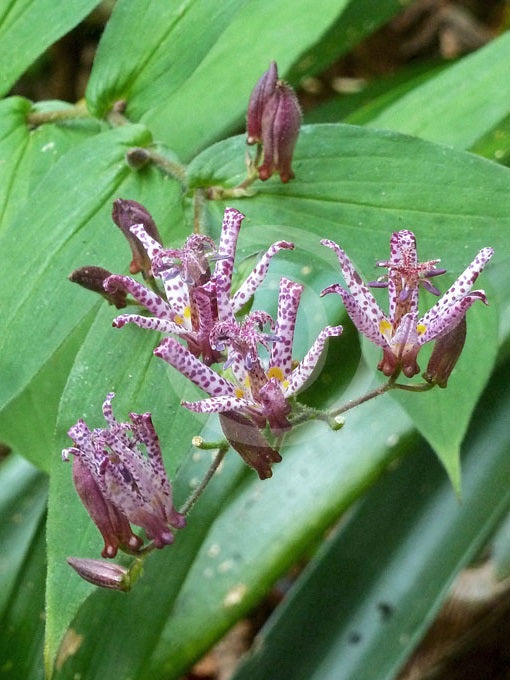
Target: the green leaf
(162, 86)
(372, 590)
(27, 154)
(28, 27)
(69, 220)
(21, 643)
(23, 493)
(461, 104)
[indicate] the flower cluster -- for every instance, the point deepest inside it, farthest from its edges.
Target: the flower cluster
(401, 334)
(120, 485)
(244, 364)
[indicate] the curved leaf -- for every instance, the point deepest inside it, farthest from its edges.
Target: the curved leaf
(20, 44)
(373, 589)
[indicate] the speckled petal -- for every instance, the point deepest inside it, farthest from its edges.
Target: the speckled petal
(177, 294)
(224, 303)
(217, 405)
(232, 220)
(368, 324)
(250, 285)
(402, 250)
(152, 302)
(459, 289)
(288, 302)
(360, 304)
(204, 377)
(437, 325)
(148, 322)
(305, 368)
(152, 247)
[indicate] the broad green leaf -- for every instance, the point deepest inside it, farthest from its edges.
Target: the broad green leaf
(162, 86)
(374, 587)
(267, 526)
(23, 494)
(68, 219)
(27, 154)
(356, 187)
(461, 104)
(27, 423)
(28, 27)
(496, 143)
(21, 642)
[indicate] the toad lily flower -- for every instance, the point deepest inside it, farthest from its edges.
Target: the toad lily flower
(253, 396)
(401, 334)
(120, 485)
(190, 305)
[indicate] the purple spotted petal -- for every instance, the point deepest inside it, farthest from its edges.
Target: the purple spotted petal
(152, 247)
(439, 325)
(152, 302)
(459, 289)
(232, 220)
(305, 368)
(176, 291)
(148, 322)
(288, 302)
(360, 304)
(217, 405)
(225, 311)
(204, 377)
(250, 285)
(366, 321)
(402, 253)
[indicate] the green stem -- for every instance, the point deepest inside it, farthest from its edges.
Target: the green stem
(36, 118)
(195, 495)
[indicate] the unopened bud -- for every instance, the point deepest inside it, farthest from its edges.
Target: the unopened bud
(103, 574)
(92, 278)
(262, 91)
(445, 355)
(137, 158)
(125, 214)
(281, 121)
(249, 442)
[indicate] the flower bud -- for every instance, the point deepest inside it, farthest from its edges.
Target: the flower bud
(262, 91)
(103, 574)
(125, 214)
(92, 278)
(281, 121)
(445, 355)
(249, 442)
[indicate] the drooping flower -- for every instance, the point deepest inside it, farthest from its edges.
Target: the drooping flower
(273, 120)
(401, 334)
(127, 213)
(119, 485)
(190, 305)
(254, 393)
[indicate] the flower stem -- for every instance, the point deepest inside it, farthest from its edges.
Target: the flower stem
(79, 110)
(222, 450)
(391, 384)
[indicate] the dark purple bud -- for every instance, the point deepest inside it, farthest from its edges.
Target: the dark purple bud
(249, 442)
(138, 157)
(445, 355)
(264, 88)
(113, 525)
(127, 213)
(103, 574)
(281, 121)
(92, 278)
